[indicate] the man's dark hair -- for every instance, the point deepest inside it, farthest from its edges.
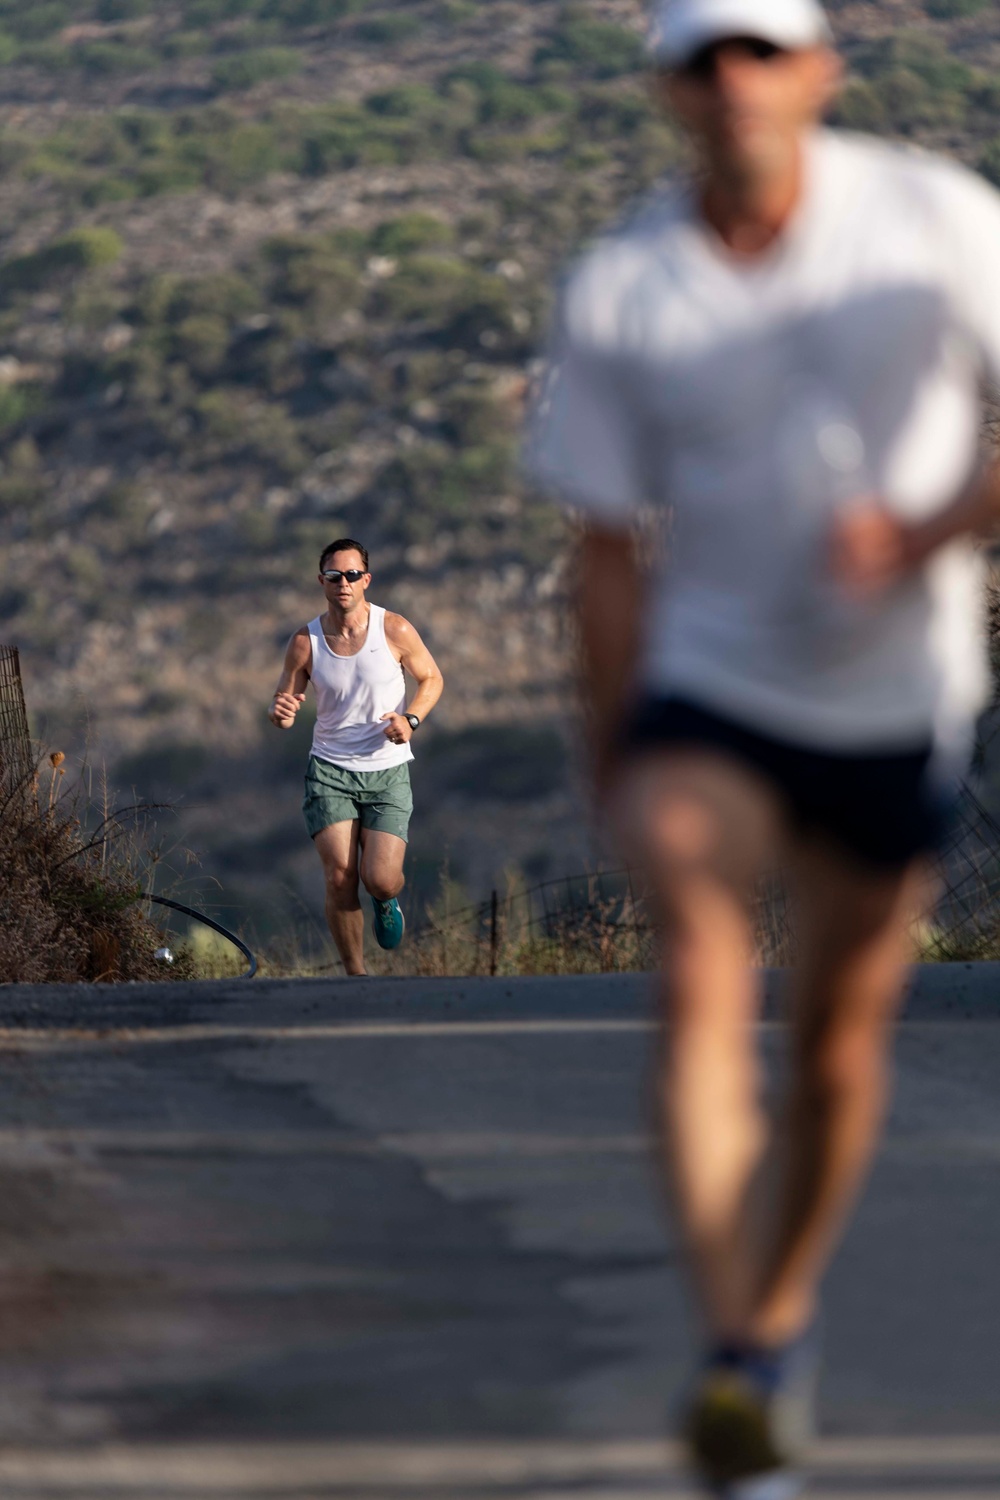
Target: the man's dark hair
(345, 544)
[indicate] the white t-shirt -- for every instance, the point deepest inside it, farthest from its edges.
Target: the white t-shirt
(750, 397)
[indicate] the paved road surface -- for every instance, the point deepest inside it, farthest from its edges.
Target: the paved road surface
(401, 1241)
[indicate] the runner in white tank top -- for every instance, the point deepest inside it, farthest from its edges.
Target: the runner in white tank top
(353, 695)
(357, 801)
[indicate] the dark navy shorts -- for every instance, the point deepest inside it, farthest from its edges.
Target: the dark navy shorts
(886, 810)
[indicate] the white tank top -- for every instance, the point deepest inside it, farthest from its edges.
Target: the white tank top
(352, 694)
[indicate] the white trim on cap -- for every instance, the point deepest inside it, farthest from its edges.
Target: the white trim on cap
(680, 27)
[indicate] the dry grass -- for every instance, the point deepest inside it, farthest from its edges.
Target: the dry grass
(72, 869)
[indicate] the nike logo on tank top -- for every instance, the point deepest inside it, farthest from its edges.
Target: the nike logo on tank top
(352, 694)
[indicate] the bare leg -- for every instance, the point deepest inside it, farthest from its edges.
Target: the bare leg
(382, 856)
(337, 847)
(854, 944)
(704, 828)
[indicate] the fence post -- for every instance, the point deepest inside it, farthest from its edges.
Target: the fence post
(493, 934)
(15, 746)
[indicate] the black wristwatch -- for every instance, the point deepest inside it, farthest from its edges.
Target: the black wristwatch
(412, 720)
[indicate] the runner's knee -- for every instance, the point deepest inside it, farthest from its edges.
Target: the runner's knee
(341, 880)
(843, 1059)
(383, 885)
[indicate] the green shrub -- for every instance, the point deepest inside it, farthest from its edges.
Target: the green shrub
(85, 249)
(425, 287)
(171, 299)
(223, 418)
(516, 147)
(947, 10)
(986, 96)
(141, 153)
(8, 49)
(14, 406)
(454, 12)
(511, 104)
(107, 189)
(141, 130)
(274, 439)
(432, 488)
(202, 342)
(18, 497)
(33, 23)
(306, 271)
(80, 250)
(168, 176)
(499, 98)
(209, 12)
(989, 162)
(484, 76)
(860, 107)
(910, 102)
(598, 48)
(253, 34)
(95, 140)
(925, 56)
(474, 419)
(387, 30)
(262, 430)
(347, 135)
(258, 530)
(309, 12)
(245, 69)
(608, 115)
(406, 102)
(185, 44)
(121, 10)
(116, 57)
(141, 371)
(203, 13)
(230, 160)
(911, 81)
(410, 233)
(51, 57)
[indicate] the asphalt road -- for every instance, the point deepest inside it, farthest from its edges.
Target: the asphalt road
(402, 1240)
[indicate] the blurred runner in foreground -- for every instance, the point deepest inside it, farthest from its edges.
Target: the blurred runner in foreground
(358, 802)
(785, 353)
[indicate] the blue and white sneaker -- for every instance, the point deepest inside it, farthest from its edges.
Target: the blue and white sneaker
(750, 1419)
(389, 924)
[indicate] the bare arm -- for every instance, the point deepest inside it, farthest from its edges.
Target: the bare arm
(290, 693)
(418, 663)
(873, 549)
(975, 512)
(610, 598)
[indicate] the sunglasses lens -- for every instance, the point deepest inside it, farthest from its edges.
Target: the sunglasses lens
(704, 65)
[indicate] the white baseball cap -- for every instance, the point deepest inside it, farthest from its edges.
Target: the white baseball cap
(680, 28)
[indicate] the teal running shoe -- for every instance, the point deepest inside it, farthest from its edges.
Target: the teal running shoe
(389, 923)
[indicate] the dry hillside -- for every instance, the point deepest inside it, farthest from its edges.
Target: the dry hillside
(273, 270)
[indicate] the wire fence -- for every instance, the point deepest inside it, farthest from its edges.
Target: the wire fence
(597, 922)
(602, 921)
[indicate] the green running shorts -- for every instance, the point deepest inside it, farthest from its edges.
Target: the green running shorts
(381, 800)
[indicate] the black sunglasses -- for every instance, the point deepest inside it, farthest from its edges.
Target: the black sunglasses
(334, 575)
(702, 67)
